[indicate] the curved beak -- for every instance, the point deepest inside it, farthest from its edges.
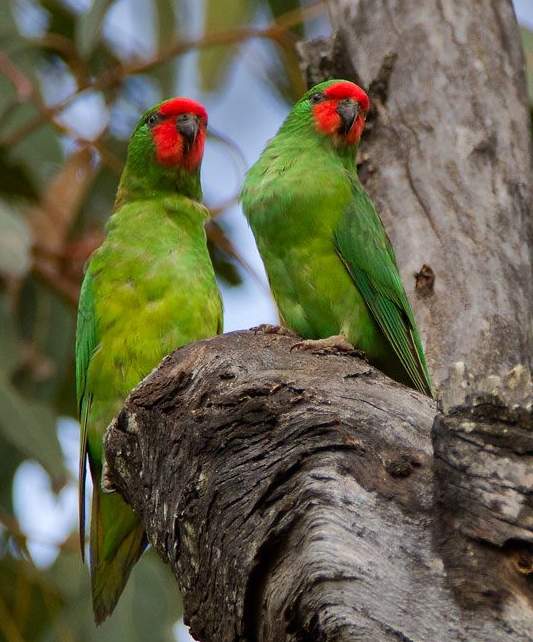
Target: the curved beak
(188, 126)
(348, 110)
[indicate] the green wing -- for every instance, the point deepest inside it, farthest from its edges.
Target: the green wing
(86, 342)
(365, 249)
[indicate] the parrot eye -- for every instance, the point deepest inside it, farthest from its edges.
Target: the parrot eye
(152, 119)
(316, 98)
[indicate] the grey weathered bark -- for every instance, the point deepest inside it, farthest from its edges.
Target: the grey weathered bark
(295, 498)
(450, 168)
(306, 497)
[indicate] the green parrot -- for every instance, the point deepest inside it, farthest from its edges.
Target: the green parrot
(148, 289)
(329, 261)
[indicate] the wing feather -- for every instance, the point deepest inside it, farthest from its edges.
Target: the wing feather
(365, 249)
(86, 341)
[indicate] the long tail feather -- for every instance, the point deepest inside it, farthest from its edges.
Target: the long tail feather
(82, 475)
(117, 542)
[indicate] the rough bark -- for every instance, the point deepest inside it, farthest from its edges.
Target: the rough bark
(447, 160)
(453, 185)
(307, 497)
(293, 495)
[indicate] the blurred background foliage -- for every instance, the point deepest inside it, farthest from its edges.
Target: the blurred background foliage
(74, 77)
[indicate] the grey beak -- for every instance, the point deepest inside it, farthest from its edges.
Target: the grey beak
(188, 126)
(347, 110)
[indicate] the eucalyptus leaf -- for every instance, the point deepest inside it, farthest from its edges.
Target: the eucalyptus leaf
(281, 7)
(166, 22)
(40, 151)
(15, 243)
(47, 324)
(31, 604)
(224, 265)
(11, 458)
(151, 596)
(31, 428)
(15, 179)
(8, 26)
(62, 19)
(167, 34)
(214, 62)
(89, 26)
(9, 340)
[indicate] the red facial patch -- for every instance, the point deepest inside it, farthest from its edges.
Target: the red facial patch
(346, 89)
(327, 119)
(170, 146)
(329, 122)
(176, 106)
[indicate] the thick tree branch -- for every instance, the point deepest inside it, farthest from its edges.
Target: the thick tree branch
(293, 496)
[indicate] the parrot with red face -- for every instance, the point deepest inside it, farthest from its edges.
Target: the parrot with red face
(329, 261)
(148, 289)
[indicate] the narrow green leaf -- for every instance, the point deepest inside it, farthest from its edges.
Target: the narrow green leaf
(9, 342)
(213, 62)
(40, 152)
(166, 22)
(147, 610)
(15, 243)
(280, 7)
(30, 603)
(224, 266)
(31, 428)
(11, 460)
(167, 34)
(15, 180)
(62, 19)
(88, 27)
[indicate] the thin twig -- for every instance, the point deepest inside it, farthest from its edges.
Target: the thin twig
(216, 234)
(22, 84)
(51, 276)
(276, 32)
(68, 52)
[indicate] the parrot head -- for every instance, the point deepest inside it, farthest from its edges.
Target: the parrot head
(176, 129)
(165, 150)
(336, 109)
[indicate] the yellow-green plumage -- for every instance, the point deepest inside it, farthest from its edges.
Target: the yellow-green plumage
(149, 289)
(329, 261)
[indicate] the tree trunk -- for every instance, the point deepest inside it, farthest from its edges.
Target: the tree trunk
(307, 497)
(447, 161)
(294, 496)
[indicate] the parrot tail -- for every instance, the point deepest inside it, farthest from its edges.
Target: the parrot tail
(117, 542)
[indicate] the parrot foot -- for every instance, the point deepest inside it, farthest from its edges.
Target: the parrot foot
(267, 328)
(336, 343)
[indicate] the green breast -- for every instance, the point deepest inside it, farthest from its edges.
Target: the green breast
(293, 210)
(154, 291)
